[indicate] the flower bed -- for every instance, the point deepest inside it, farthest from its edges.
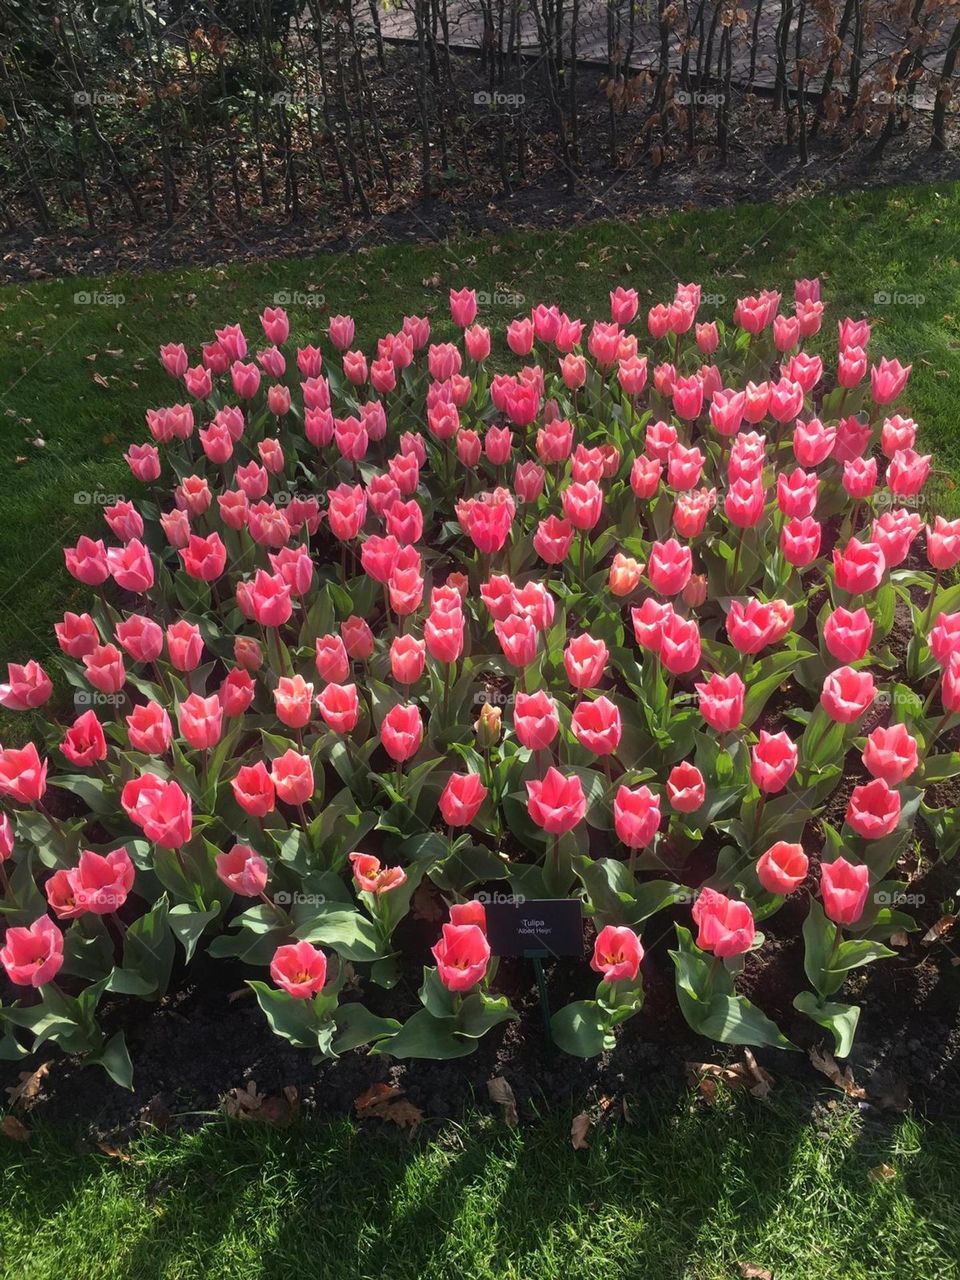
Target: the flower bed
(616, 627)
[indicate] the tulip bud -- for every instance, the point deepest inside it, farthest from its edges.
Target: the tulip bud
(695, 592)
(487, 727)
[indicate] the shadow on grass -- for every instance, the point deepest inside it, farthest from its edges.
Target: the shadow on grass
(681, 1191)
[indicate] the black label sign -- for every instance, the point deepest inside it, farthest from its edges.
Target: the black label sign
(533, 927)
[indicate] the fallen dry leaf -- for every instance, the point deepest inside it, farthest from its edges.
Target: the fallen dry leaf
(882, 1173)
(826, 1064)
(427, 904)
(26, 1091)
(749, 1075)
(579, 1130)
(936, 931)
(247, 1103)
(13, 1128)
(386, 1102)
(501, 1094)
(115, 1153)
(749, 1271)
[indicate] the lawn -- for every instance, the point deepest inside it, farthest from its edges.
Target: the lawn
(682, 1193)
(78, 376)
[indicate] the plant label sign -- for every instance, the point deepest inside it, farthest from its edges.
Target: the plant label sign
(535, 927)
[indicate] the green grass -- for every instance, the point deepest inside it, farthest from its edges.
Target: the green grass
(901, 241)
(682, 1194)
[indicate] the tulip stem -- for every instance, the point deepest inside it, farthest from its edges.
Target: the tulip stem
(931, 742)
(933, 595)
(758, 818)
(928, 703)
(736, 562)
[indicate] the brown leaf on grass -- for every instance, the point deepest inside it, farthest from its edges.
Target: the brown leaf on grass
(13, 1128)
(824, 1062)
(501, 1094)
(101, 381)
(937, 931)
(247, 1103)
(387, 1102)
(579, 1130)
(233, 996)
(882, 1173)
(749, 1271)
(749, 1075)
(26, 1091)
(116, 1153)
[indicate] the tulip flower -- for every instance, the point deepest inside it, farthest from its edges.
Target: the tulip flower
(891, 754)
(461, 799)
(374, 878)
(873, 809)
(844, 887)
(617, 954)
(782, 868)
(243, 870)
(462, 955)
(556, 803)
(686, 788)
(299, 969)
(726, 926)
(32, 956)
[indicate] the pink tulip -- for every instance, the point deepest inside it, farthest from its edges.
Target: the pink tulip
(636, 816)
(461, 799)
(873, 810)
(721, 701)
(617, 954)
(27, 686)
(773, 761)
(686, 788)
(782, 868)
(891, 754)
(847, 694)
(725, 926)
(299, 969)
(556, 803)
(844, 887)
(462, 955)
(32, 956)
(243, 870)
(160, 808)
